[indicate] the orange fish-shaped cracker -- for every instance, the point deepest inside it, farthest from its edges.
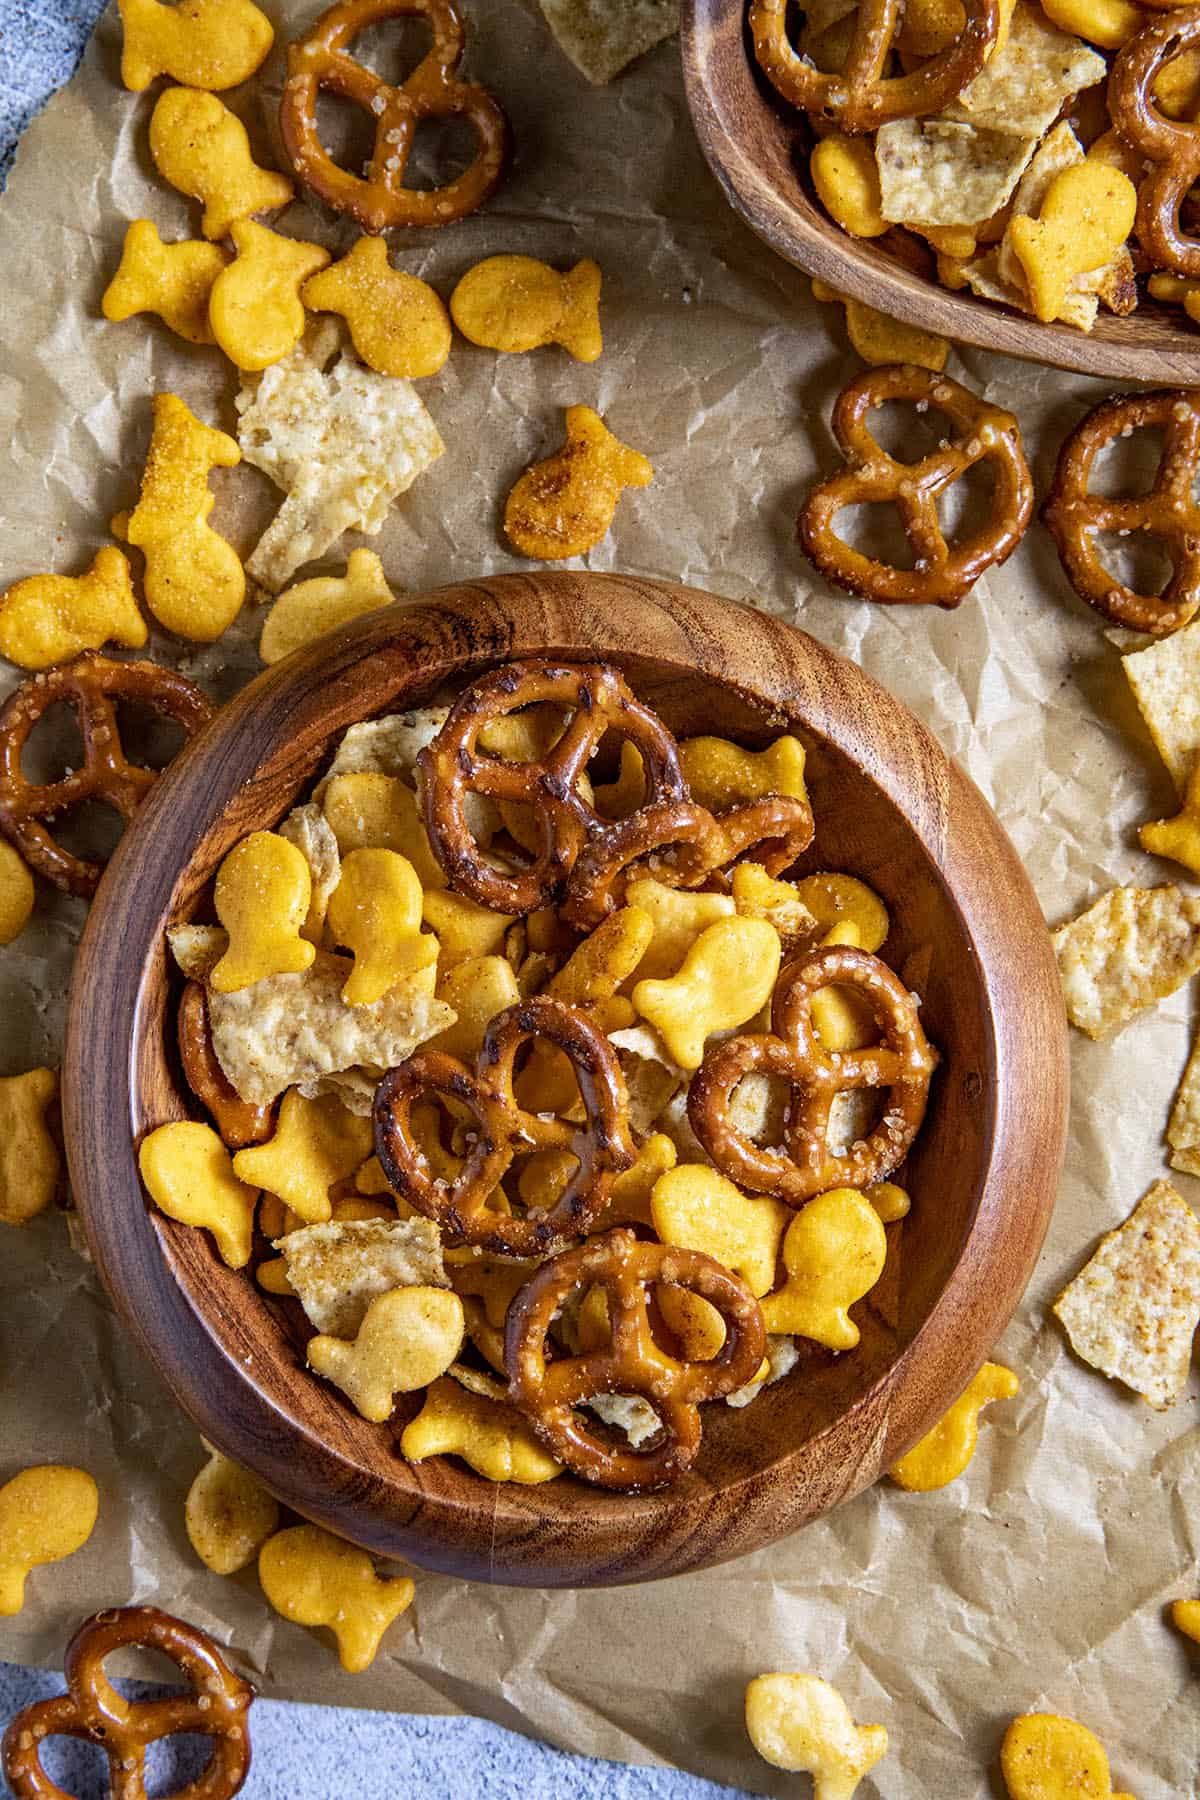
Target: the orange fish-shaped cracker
(564, 505)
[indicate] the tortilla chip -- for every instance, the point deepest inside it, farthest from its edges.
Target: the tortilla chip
(1183, 1129)
(602, 36)
(290, 1029)
(310, 831)
(1133, 947)
(337, 1269)
(628, 1413)
(1022, 88)
(1165, 679)
(941, 172)
(1132, 1311)
(477, 1381)
(387, 746)
(197, 948)
(782, 1357)
(1058, 151)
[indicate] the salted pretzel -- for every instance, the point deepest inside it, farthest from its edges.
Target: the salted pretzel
(860, 97)
(597, 700)
(600, 1142)
(942, 573)
(238, 1121)
(92, 1709)
(91, 685)
(1168, 509)
(1170, 146)
(379, 200)
(901, 1064)
(549, 1392)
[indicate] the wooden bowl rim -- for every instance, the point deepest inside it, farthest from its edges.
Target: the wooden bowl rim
(173, 1332)
(797, 231)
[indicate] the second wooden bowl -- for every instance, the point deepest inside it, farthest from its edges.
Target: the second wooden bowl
(755, 145)
(890, 807)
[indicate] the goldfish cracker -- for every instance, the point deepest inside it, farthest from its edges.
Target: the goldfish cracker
(1185, 1616)
(678, 918)
(408, 1338)
(1047, 1757)
(189, 1175)
(1177, 86)
(228, 1514)
(462, 929)
(958, 241)
(261, 897)
(832, 898)
(801, 1723)
(699, 1327)
(880, 340)
(607, 957)
(46, 1513)
(846, 176)
(834, 1251)
(1085, 218)
(48, 619)
(16, 897)
(565, 505)
(952, 273)
(890, 1202)
(255, 308)
(617, 799)
(29, 1158)
(943, 1453)
(397, 323)
(316, 1144)
(1178, 838)
(367, 810)
(375, 912)
(272, 1278)
(486, 1338)
(489, 1280)
(757, 895)
(194, 581)
(311, 609)
(727, 975)
(697, 1208)
(515, 303)
(202, 43)
(173, 281)
(723, 775)
(313, 1578)
(477, 989)
(630, 1194)
(931, 26)
(202, 149)
(843, 1020)
(489, 1436)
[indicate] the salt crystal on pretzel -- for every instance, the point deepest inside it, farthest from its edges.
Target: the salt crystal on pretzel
(292, 1029)
(337, 1269)
(1131, 948)
(342, 442)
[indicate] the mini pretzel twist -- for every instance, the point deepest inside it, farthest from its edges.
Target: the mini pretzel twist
(600, 1144)
(633, 1362)
(92, 1709)
(597, 700)
(90, 685)
(860, 97)
(901, 1064)
(1170, 146)
(379, 200)
(942, 573)
(1167, 509)
(238, 1121)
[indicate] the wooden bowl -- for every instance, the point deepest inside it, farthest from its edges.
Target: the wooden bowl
(756, 146)
(890, 807)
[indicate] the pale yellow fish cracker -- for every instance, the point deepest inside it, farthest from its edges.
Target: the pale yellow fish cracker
(1132, 1311)
(1134, 946)
(337, 1269)
(941, 172)
(1165, 678)
(602, 36)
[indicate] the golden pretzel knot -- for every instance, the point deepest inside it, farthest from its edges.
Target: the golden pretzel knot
(550, 1392)
(900, 1064)
(379, 200)
(1170, 146)
(600, 1143)
(92, 1709)
(942, 573)
(859, 96)
(238, 1121)
(91, 685)
(1167, 509)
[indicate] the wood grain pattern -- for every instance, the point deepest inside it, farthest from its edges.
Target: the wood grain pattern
(890, 807)
(757, 147)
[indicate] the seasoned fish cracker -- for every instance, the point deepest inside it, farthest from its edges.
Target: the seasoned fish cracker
(336, 1269)
(1133, 947)
(1132, 1311)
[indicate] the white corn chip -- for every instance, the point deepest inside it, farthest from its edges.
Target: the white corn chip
(944, 172)
(1021, 89)
(342, 443)
(288, 1030)
(758, 1109)
(782, 1357)
(1133, 947)
(1132, 1311)
(602, 36)
(310, 831)
(337, 1269)
(1183, 1130)
(477, 1381)
(387, 746)
(629, 1413)
(1165, 678)
(197, 948)
(355, 1088)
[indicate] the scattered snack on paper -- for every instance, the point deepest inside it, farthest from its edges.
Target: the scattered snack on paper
(880, 340)
(46, 1513)
(398, 325)
(1132, 1311)
(172, 280)
(602, 37)
(228, 1514)
(203, 149)
(315, 1579)
(563, 506)
(255, 310)
(801, 1723)
(1165, 680)
(16, 893)
(204, 44)
(515, 303)
(1047, 1757)
(1130, 949)
(47, 619)
(944, 1453)
(30, 1163)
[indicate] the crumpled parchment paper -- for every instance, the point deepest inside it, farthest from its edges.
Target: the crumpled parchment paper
(1039, 1579)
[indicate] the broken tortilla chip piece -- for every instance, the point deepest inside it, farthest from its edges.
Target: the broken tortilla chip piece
(386, 746)
(337, 1269)
(1183, 1128)
(602, 36)
(1132, 1311)
(1021, 89)
(1165, 678)
(1133, 947)
(943, 172)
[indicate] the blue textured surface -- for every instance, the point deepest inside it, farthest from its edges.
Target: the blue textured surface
(305, 1753)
